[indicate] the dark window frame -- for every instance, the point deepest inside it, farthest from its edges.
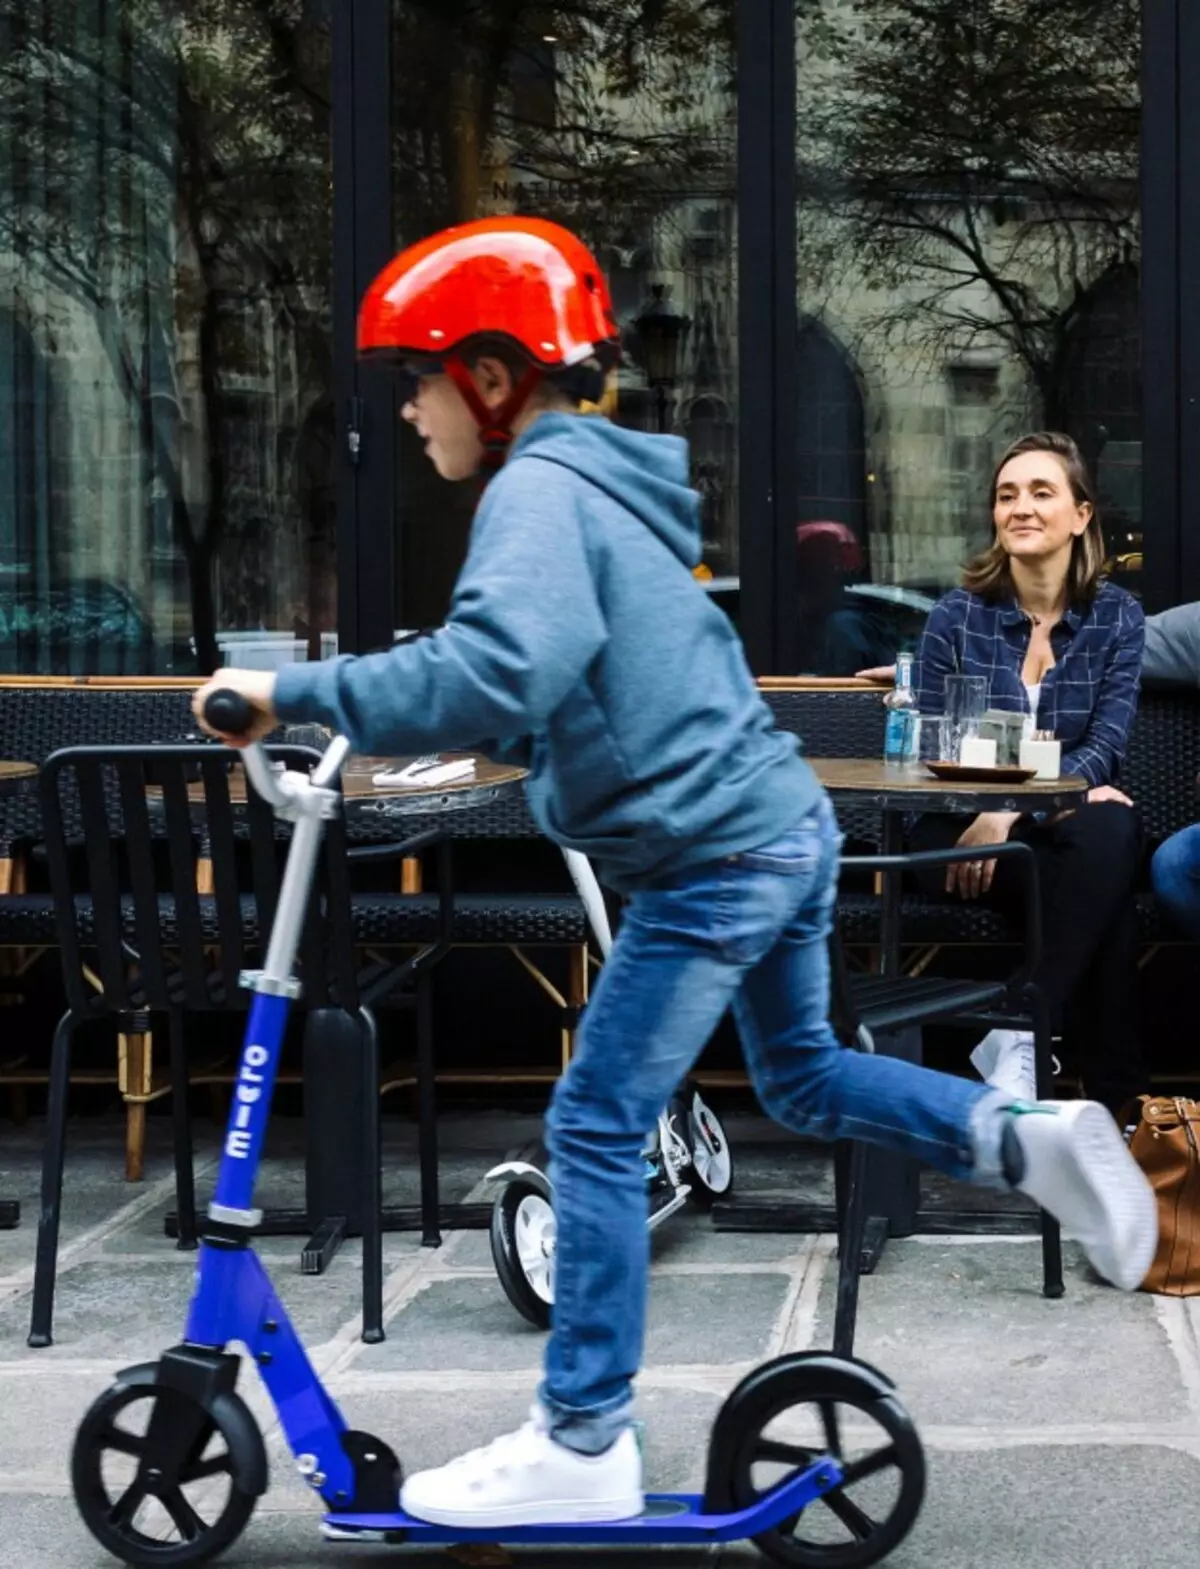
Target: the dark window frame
(767, 319)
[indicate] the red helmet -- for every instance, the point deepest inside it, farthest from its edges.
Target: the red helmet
(520, 280)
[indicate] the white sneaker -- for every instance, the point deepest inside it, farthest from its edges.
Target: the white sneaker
(525, 1478)
(1078, 1168)
(1005, 1059)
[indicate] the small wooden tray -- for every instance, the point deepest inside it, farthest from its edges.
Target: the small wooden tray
(973, 774)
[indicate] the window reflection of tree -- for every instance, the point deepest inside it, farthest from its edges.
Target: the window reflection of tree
(1103, 410)
(614, 117)
(154, 160)
(980, 160)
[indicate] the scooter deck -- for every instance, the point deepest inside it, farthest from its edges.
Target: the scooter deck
(668, 1519)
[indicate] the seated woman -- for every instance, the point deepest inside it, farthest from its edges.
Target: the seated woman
(1061, 645)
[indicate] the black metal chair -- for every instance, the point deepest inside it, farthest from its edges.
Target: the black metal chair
(866, 1006)
(137, 938)
(35, 721)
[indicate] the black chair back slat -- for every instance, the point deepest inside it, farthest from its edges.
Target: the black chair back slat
(55, 775)
(264, 862)
(134, 804)
(222, 849)
(184, 895)
(101, 836)
(139, 840)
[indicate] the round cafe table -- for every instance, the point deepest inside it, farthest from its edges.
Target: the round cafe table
(898, 792)
(489, 783)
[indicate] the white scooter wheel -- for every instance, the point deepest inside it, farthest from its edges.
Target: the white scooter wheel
(712, 1159)
(523, 1238)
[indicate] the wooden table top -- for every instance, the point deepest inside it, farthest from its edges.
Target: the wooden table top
(358, 778)
(359, 789)
(917, 789)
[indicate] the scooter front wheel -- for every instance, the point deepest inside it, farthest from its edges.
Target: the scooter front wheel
(790, 1413)
(175, 1504)
(523, 1239)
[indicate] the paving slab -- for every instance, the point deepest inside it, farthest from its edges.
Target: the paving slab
(968, 1338)
(104, 1306)
(467, 1323)
(686, 1237)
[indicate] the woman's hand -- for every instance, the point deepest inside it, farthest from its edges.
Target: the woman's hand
(879, 673)
(1109, 793)
(972, 878)
(257, 687)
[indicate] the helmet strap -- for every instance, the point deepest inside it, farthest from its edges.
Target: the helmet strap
(495, 425)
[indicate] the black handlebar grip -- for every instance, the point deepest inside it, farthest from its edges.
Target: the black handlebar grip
(229, 712)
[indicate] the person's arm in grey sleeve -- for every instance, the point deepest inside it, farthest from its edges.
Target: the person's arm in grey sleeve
(523, 628)
(1173, 646)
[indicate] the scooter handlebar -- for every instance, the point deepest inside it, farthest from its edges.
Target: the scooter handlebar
(228, 711)
(232, 714)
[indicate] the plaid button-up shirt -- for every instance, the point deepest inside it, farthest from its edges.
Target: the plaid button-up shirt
(1088, 698)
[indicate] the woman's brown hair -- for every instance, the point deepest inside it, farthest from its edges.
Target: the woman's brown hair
(989, 575)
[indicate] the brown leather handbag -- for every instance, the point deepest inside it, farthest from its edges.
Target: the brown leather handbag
(1166, 1145)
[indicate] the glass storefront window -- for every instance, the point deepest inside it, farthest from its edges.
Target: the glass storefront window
(166, 412)
(968, 271)
(617, 119)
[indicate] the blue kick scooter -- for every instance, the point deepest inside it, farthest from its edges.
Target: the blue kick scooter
(812, 1455)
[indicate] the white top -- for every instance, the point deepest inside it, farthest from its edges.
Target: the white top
(1033, 691)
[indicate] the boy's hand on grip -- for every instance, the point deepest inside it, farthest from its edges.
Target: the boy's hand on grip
(258, 689)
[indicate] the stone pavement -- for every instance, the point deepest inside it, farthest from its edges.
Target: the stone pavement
(1058, 1433)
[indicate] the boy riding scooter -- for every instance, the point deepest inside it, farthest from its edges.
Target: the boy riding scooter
(578, 635)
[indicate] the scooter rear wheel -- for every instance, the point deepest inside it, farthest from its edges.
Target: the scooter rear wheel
(712, 1159)
(523, 1235)
(792, 1413)
(147, 1513)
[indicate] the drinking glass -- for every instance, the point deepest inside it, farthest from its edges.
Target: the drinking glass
(934, 740)
(966, 701)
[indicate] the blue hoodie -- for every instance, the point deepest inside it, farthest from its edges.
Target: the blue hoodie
(576, 627)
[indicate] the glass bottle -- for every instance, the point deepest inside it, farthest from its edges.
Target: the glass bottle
(901, 735)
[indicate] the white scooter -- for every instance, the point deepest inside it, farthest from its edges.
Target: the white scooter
(686, 1157)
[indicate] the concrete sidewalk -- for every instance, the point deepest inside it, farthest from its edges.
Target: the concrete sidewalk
(1058, 1433)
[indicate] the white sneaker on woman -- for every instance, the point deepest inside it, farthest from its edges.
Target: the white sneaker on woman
(525, 1478)
(1076, 1166)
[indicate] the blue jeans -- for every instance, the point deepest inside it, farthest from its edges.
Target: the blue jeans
(1175, 873)
(749, 932)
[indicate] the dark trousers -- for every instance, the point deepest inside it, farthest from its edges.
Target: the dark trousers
(1087, 867)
